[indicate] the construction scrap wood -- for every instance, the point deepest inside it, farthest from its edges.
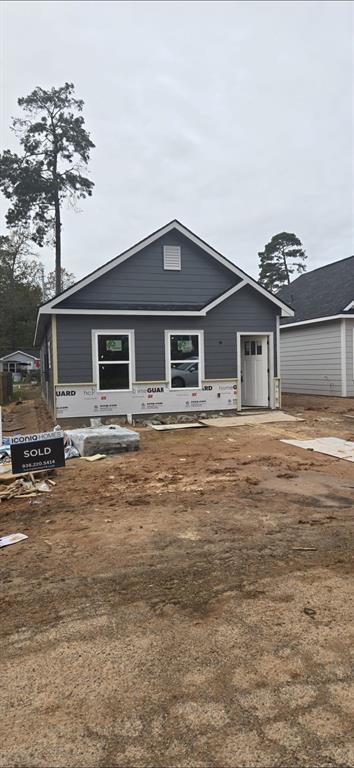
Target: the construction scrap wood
(249, 420)
(96, 457)
(187, 425)
(24, 487)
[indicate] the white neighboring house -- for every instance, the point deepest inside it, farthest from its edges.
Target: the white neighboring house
(19, 363)
(317, 345)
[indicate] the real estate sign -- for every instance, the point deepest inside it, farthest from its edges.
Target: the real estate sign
(43, 450)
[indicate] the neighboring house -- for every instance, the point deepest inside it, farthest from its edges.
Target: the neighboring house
(19, 363)
(170, 325)
(317, 344)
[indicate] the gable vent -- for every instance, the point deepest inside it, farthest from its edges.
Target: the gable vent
(172, 257)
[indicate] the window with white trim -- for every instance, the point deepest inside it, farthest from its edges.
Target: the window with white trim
(184, 360)
(114, 369)
(10, 367)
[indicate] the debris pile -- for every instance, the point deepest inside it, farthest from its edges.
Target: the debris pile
(25, 487)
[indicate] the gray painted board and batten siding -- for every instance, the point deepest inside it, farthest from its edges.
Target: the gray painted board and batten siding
(246, 311)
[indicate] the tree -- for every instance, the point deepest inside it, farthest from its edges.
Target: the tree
(20, 292)
(282, 256)
(67, 279)
(56, 147)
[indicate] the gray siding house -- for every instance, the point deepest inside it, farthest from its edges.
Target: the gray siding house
(317, 344)
(170, 325)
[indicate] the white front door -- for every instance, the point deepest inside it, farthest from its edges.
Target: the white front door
(254, 371)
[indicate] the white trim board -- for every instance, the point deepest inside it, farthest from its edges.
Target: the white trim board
(349, 306)
(343, 358)
(223, 296)
(316, 320)
(277, 335)
(135, 312)
(286, 310)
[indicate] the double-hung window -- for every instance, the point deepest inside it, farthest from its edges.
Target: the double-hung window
(114, 355)
(184, 359)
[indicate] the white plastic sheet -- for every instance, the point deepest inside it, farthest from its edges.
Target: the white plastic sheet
(13, 538)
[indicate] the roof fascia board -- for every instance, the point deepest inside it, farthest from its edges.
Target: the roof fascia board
(224, 296)
(286, 311)
(350, 306)
(143, 312)
(315, 320)
(110, 265)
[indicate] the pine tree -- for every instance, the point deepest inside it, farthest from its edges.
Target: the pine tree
(282, 256)
(56, 146)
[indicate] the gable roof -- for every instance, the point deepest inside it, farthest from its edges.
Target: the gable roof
(325, 292)
(19, 352)
(51, 306)
(175, 224)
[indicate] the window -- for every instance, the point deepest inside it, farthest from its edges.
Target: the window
(252, 348)
(114, 356)
(172, 257)
(184, 360)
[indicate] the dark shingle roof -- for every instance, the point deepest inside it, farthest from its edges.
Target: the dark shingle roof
(323, 292)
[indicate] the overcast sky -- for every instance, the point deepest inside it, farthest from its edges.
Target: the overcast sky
(235, 117)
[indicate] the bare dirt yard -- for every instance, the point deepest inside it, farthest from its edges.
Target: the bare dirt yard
(190, 604)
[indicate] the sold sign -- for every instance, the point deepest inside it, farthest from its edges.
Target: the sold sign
(37, 452)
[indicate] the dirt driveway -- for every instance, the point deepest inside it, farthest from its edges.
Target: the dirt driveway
(187, 605)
